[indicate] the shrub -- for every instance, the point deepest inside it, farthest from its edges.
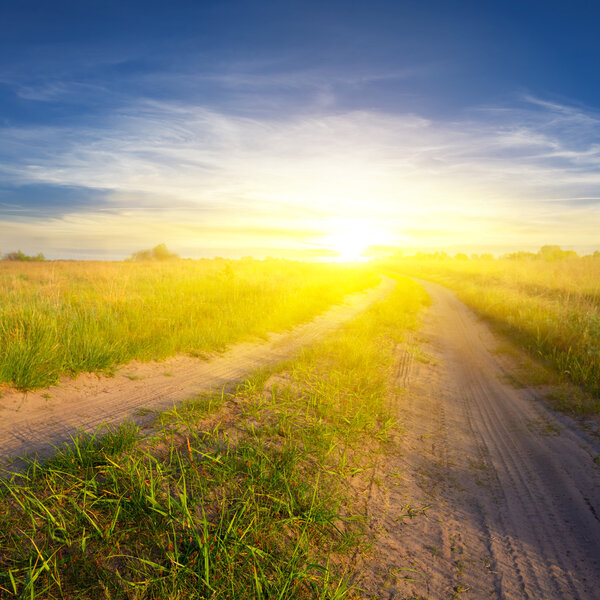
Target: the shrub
(21, 256)
(159, 252)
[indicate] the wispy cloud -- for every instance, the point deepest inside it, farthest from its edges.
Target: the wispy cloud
(169, 163)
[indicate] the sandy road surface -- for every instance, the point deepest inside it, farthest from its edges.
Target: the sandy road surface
(35, 422)
(512, 488)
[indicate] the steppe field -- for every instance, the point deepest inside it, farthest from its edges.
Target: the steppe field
(409, 428)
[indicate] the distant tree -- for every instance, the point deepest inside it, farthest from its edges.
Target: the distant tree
(440, 255)
(552, 253)
(159, 252)
(142, 255)
(520, 255)
(14, 256)
(22, 257)
(461, 256)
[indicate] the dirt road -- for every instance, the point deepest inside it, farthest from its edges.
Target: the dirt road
(36, 422)
(491, 494)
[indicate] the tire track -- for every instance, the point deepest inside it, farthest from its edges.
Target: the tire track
(544, 535)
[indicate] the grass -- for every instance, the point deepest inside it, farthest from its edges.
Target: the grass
(550, 308)
(68, 317)
(233, 496)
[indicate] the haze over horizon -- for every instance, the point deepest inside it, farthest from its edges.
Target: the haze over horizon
(304, 129)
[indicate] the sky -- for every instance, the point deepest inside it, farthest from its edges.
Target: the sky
(306, 129)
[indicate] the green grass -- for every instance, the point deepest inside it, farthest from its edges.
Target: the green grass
(238, 496)
(68, 318)
(552, 309)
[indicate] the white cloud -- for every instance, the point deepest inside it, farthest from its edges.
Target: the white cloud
(191, 164)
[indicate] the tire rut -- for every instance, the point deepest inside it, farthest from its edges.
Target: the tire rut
(535, 503)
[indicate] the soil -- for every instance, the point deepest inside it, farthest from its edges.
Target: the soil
(32, 424)
(490, 494)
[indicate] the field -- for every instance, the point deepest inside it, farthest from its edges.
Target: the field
(66, 318)
(388, 447)
(239, 496)
(552, 308)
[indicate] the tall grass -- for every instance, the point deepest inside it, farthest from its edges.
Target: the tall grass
(234, 497)
(551, 308)
(66, 318)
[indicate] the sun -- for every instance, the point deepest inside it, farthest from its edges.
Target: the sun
(349, 238)
(348, 247)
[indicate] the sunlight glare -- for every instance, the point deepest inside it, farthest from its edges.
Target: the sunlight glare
(350, 238)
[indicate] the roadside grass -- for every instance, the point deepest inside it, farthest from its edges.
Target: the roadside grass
(72, 317)
(552, 309)
(231, 496)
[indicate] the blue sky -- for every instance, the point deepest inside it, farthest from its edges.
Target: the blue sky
(234, 127)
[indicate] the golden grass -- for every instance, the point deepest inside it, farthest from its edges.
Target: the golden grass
(551, 308)
(70, 317)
